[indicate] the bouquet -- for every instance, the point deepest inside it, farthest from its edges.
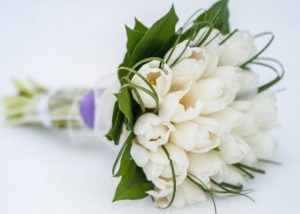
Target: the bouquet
(187, 108)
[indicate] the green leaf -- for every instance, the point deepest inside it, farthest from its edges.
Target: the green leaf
(155, 43)
(217, 149)
(117, 123)
(126, 61)
(220, 13)
(134, 36)
(125, 105)
(123, 157)
(139, 26)
(160, 34)
(217, 15)
(133, 184)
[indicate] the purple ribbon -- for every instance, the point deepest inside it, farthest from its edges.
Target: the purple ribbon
(87, 109)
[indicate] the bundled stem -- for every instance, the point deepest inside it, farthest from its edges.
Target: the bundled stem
(59, 107)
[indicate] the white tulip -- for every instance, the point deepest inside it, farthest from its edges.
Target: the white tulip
(250, 158)
(212, 62)
(214, 37)
(161, 198)
(206, 165)
(264, 111)
(202, 62)
(156, 165)
(186, 193)
(190, 68)
(189, 193)
(249, 83)
(231, 176)
(211, 47)
(237, 49)
(233, 149)
(190, 62)
(159, 78)
(199, 136)
(247, 127)
(181, 51)
(218, 90)
(140, 155)
(240, 105)
(239, 124)
(229, 118)
(182, 105)
(151, 132)
(262, 145)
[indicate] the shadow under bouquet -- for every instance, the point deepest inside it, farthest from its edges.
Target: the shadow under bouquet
(186, 107)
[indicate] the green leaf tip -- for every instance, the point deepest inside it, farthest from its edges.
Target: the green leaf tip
(139, 26)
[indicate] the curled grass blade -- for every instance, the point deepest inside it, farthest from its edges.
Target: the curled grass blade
(137, 95)
(253, 169)
(134, 86)
(175, 44)
(204, 188)
(228, 36)
(228, 190)
(212, 39)
(143, 61)
(191, 20)
(279, 73)
(152, 93)
(269, 161)
(262, 50)
(173, 177)
(124, 146)
(244, 171)
(264, 62)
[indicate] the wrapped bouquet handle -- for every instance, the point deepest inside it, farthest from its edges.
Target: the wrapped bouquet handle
(187, 108)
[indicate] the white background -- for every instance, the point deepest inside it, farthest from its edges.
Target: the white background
(73, 42)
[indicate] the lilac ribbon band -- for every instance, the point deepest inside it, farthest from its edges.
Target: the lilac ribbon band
(87, 109)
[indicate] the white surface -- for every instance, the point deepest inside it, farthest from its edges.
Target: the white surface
(74, 42)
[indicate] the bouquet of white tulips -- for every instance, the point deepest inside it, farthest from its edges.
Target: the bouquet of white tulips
(188, 109)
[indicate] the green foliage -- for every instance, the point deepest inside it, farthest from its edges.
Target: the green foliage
(133, 184)
(125, 105)
(153, 42)
(117, 123)
(217, 16)
(144, 44)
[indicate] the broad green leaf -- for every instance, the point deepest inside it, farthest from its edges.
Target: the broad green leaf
(125, 156)
(117, 123)
(126, 106)
(217, 14)
(157, 36)
(133, 184)
(134, 36)
(156, 42)
(139, 26)
(126, 61)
